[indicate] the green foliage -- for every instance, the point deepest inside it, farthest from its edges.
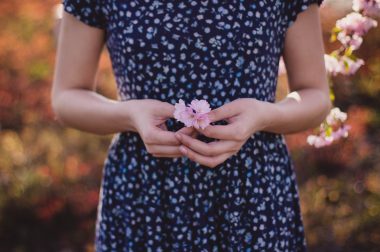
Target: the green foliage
(370, 79)
(39, 71)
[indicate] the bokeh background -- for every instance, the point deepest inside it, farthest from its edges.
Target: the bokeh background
(50, 175)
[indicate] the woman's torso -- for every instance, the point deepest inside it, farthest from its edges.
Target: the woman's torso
(214, 50)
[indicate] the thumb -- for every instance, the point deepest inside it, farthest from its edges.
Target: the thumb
(223, 112)
(163, 126)
(165, 109)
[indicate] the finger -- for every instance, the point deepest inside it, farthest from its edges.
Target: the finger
(224, 132)
(211, 162)
(227, 110)
(170, 156)
(187, 130)
(190, 131)
(208, 149)
(163, 150)
(165, 109)
(159, 136)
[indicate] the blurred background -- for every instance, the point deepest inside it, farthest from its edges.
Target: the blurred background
(50, 175)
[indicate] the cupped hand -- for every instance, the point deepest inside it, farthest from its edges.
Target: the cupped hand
(245, 116)
(148, 117)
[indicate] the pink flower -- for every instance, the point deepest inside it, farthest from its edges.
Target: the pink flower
(335, 116)
(354, 41)
(201, 108)
(183, 113)
(323, 139)
(332, 130)
(355, 23)
(349, 66)
(369, 7)
(194, 115)
(344, 65)
(332, 64)
(319, 141)
(341, 132)
(201, 121)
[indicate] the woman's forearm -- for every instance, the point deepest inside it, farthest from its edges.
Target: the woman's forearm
(89, 111)
(299, 111)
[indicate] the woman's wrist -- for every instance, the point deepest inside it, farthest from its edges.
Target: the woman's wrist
(124, 114)
(268, 113)
(299, 111)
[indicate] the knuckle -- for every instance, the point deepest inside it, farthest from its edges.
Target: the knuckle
(243, 133)
(239, 133)
(215, 114)
(190, 155)
(246, 132)
(207, 132)
(147, 138)
(234, 151)
(149, 149)
(209, 151)
(213, 164)
(236, 148)
(237, 136)
(189, 144)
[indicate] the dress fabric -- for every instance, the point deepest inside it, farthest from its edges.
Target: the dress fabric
(218, 50)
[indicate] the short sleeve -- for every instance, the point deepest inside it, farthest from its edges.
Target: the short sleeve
(294, 7)
(87, 11)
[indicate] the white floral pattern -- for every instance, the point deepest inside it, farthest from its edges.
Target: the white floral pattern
(218, 50)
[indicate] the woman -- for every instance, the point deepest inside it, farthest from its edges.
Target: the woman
(231, 186)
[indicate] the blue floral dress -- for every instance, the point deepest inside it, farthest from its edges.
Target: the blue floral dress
(218, 50)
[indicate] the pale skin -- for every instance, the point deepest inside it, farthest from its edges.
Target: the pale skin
(76, 103)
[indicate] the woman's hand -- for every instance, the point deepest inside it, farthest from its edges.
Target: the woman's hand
(245, 116)
(148, 117)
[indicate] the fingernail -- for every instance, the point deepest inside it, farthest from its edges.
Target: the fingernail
(183, 149)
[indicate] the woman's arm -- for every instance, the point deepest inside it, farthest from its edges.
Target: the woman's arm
(76, 104)
(308, 103)
(74, 100)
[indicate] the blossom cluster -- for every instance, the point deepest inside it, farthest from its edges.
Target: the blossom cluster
(194, 115)
(349, 31)
(333, 129)
(345, 65)
(351, 28)
(368, 7)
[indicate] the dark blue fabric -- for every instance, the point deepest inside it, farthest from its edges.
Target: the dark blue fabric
(88, 11)
(185, 49)
(295, 7)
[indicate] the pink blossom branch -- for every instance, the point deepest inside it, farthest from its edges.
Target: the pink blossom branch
(349, 31)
